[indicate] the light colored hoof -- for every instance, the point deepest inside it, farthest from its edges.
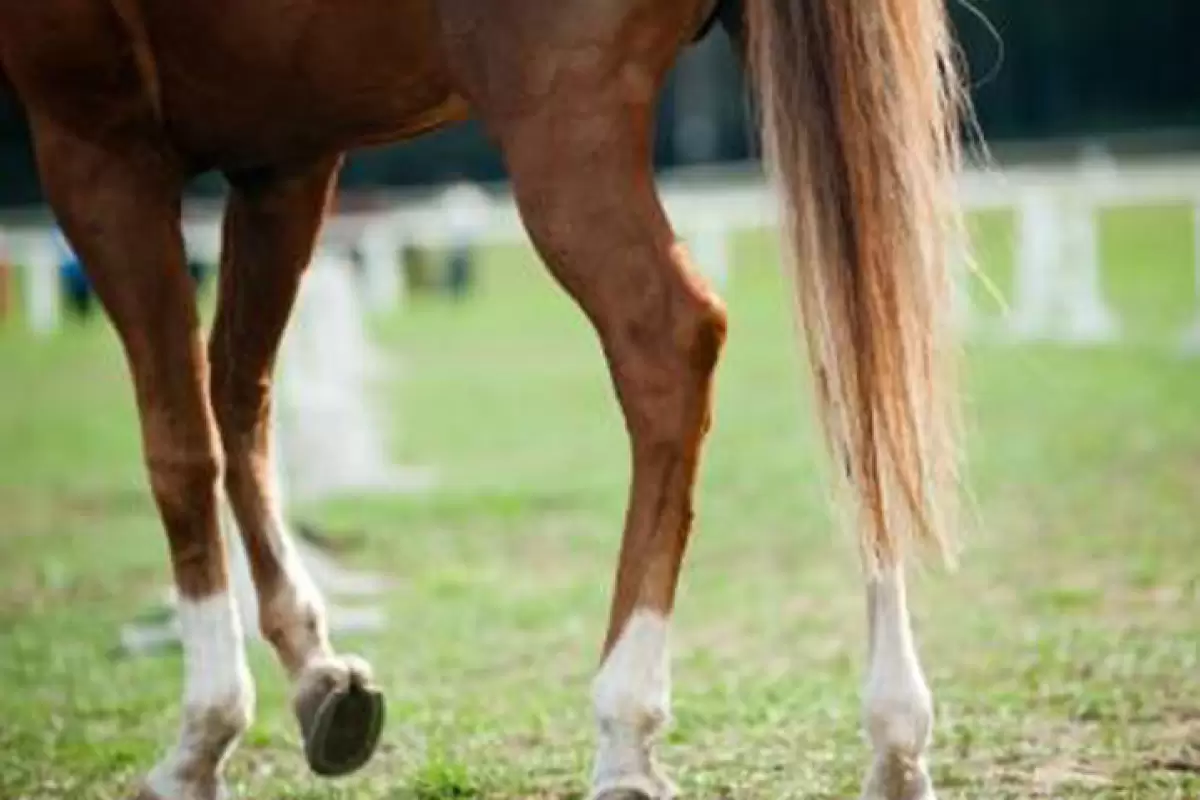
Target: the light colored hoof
(635, 787)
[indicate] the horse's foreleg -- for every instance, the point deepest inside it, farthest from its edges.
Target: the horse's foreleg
(270, 229)
(897, 705)
(118, 203)
(584, 186)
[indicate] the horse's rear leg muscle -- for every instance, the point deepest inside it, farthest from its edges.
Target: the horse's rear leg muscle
(270, 229)
(592, 211)
(118, 205)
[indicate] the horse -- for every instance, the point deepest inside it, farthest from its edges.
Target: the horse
(858, 104)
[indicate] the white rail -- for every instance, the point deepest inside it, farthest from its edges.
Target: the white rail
(1057, 293)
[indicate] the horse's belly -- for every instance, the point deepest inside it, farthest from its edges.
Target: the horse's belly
(244, 84)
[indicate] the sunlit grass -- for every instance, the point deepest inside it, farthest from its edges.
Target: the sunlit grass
(1064, 653)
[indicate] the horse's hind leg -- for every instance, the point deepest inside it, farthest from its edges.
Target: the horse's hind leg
(584, 185)
(118, 203)
(271, 226)
(898, 707)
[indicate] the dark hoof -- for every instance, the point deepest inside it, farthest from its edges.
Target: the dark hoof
(341, 728)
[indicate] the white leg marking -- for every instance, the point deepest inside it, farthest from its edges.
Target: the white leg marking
(631, 698)
(218, 700)
(292, 615)
(295, 617)
(898, 707)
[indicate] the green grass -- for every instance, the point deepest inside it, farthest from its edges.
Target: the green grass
(1065, 653)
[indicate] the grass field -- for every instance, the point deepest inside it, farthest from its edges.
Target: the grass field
(1065, 653)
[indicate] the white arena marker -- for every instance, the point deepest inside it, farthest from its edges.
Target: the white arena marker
(42, 303)
(329, 432)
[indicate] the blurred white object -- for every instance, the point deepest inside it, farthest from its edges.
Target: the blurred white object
(1037, 259)
(330, 440)
(466, 209)
(1087, 318)
(39, 258)
(1191, 337)
(203, 241)
(709, 245)
(379, 248)
(1058, 288)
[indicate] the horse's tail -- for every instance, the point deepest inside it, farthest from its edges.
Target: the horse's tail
(860, 106)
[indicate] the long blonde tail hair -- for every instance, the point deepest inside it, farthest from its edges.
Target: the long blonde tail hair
(860, 102)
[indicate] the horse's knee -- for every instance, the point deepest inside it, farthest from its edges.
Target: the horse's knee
(183, 480)
(240, 406)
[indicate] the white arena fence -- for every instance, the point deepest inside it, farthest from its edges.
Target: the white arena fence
(1056, 296)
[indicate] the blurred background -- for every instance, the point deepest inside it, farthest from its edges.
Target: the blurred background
(446, 420)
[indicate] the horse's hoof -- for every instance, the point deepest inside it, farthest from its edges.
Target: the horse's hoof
(341, 717)
(894, 778)
(216, 791)
(653, 787)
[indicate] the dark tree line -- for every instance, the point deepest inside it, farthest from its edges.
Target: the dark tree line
(1084, 67)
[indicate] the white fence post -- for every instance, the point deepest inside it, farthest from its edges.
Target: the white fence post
(1087, 318)
(203, 242)
(709, 245)
(1037, 262)
(1191, 337)
(1058, 288)
(379, 247)
(42, 301)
